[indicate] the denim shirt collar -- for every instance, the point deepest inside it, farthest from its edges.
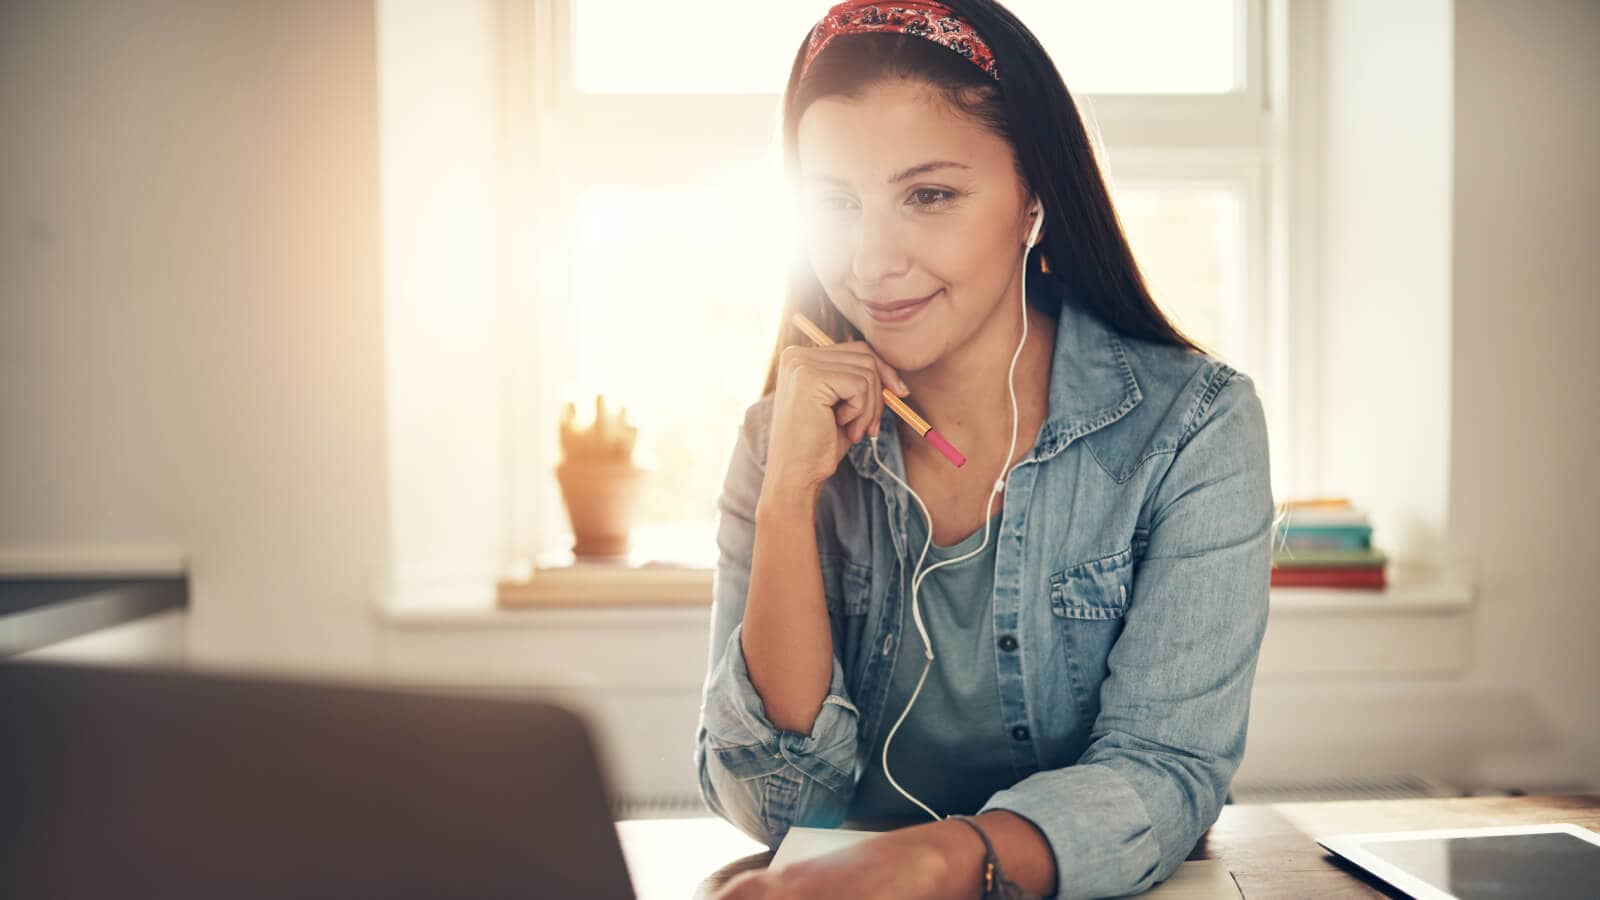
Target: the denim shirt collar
(1091, 386)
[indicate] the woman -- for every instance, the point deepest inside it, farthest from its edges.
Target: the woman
(1084, 630)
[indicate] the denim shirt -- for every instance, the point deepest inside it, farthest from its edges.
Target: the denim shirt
(1130, 598)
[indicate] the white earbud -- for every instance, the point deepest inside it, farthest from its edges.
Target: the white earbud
(917, 573)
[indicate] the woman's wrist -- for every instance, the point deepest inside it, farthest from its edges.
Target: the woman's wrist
(1021, 851)
(1029, 859)
(962, 853)
(785, 498)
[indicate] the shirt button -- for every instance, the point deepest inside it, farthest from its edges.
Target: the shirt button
(1008, 643)
(1020, 732)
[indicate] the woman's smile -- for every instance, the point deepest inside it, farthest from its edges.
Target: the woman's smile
(894, 313)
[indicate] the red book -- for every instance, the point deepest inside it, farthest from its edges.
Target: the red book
(1329, 576)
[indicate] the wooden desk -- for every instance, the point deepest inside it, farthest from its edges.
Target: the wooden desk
(1270, 851)
(1268, 848)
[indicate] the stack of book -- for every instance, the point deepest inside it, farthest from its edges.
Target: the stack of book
(1326, 543)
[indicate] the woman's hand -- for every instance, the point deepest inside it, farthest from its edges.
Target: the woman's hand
(923, 862)
(827, 399)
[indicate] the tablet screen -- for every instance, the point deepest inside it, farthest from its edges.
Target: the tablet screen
(1499, 866)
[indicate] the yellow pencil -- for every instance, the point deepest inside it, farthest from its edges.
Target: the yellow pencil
(821, 339)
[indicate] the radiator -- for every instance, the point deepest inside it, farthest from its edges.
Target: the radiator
(1311, 790)
(658, 806)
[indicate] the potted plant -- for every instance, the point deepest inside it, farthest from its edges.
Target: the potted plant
(600, 484)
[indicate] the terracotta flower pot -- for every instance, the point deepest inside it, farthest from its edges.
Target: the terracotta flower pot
(602, 499)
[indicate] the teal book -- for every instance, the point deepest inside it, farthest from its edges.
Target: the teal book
(1326, 537)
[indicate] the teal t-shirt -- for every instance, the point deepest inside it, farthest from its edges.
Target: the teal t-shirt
(952, 752)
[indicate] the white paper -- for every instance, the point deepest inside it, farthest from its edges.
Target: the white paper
(1195, 880)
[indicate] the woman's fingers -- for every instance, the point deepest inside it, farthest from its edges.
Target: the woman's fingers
(865, 388)
(856, 376)
(855, 392)
(886, 373)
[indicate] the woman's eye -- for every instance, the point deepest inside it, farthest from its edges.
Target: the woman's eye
(930, 196)
(834, 203)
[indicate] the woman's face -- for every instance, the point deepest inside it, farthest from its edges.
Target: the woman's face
(905, 198)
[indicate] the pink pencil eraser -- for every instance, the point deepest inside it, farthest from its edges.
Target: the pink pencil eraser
(949, 452)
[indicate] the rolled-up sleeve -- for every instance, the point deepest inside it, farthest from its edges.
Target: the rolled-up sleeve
(761, 778)
(1175, 703)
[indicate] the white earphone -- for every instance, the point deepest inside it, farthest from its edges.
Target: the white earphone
(999, 484)
(1038, 223)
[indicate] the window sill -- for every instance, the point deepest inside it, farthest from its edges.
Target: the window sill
(492, 615)
(468, 640)
(644, 596)
(1412, 590)
(680, 600)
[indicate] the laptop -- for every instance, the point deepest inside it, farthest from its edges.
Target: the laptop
(138, 782)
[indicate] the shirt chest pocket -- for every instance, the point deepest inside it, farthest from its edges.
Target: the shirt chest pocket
(1089, 601)
(846, 585)
(1097, 589)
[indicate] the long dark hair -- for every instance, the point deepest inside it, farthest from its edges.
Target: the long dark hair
(1032, 110)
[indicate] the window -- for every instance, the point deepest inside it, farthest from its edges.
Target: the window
(651, 198)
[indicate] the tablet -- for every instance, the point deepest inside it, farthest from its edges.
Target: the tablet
(1524, 861)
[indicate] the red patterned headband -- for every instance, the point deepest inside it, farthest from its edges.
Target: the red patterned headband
(934, 21)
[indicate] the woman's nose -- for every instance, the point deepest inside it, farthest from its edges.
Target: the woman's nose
(880, 251)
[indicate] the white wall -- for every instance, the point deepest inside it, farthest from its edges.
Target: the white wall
(1385, 265)
(1524, 485)
(191, 345)
(440, 145)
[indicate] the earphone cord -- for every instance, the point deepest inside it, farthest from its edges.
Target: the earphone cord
(917, 574)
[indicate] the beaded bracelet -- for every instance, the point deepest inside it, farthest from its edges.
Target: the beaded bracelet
(996, 886)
